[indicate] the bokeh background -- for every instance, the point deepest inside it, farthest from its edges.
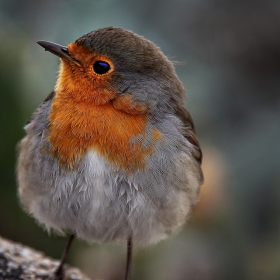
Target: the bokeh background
(228, 55)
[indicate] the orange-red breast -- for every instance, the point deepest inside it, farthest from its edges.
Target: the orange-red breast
(111, 154)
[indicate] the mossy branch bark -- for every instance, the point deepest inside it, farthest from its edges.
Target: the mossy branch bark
(23, 263)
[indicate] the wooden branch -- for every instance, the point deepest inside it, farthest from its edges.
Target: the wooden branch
(21, 262)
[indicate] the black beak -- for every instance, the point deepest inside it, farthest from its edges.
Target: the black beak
(58, 50)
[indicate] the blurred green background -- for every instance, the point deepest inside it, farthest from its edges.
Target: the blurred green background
(229, 62)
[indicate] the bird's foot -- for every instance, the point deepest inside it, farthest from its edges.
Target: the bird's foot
(59, 273)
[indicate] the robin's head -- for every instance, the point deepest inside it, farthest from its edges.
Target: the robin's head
(112, 62)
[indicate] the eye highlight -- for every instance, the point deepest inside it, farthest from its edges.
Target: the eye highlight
(101, 67)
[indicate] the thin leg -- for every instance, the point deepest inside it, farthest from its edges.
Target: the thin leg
(128, 258)
(59, 273)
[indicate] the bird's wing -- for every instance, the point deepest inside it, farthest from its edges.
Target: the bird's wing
(189, 131)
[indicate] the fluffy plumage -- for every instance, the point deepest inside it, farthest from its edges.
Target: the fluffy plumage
(115, 155)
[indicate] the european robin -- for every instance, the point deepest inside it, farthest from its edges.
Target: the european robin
(111, 154)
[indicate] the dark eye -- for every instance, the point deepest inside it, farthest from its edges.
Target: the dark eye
(101, 67)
